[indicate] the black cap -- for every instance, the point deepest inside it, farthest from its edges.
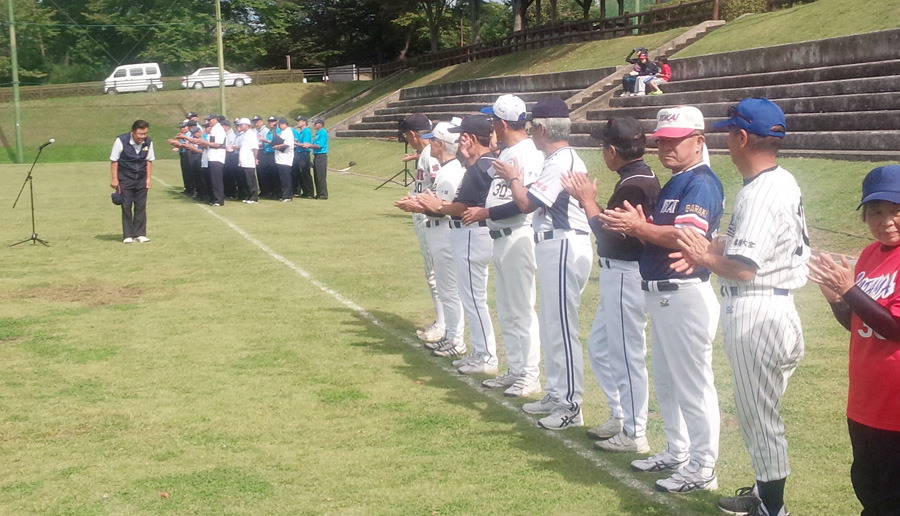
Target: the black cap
(474, 124)
(256, 118)
(552, 107)
(191, 115)
(301, 117)
(318, 120)
(211, 116)
(621, 132)
(273, 119)
(416, 122)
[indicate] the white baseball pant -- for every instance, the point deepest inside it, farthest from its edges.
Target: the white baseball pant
(617, 344)
(515, 296)
(437, 239)
(683, 325)
(472, 249)
(764, 344)
(419, 227)
(563, 269)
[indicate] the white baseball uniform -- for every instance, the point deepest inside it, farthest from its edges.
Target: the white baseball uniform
(426, 168)
(514, 262)
(564, 255)
(763, 336)
(437, 238)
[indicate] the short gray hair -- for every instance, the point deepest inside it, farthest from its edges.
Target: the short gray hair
(558, 129)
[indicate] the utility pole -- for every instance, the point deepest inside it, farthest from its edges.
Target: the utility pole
(14, 62)
(221, 58)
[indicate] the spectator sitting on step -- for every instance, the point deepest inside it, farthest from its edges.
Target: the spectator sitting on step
(646, 71)
(663, 76)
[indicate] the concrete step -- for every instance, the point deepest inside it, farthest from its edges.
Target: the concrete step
(869, 85)
(379, 135)
(438, 108)
(648, 106)
(827, 140)
(578, 80)
(394, 119)
(482, 98)
(824, 74)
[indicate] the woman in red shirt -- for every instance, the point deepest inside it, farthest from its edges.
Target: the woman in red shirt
(867, 302)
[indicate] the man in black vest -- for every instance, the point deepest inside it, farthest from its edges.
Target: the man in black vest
(131, 165)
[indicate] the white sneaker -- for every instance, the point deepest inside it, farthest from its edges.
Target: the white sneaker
(431, 333)
(610, 428)
(692, 477)
(561, 418)
(622, 443)
(464, 360)
(431, 346)
(451, 348)
(662, 461)
(478, 366)
(504, 380)
(544, 406)
(128, 241)
(142, 239)
(524, 386)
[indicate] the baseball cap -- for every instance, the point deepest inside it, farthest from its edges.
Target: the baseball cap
(318, 120)
(441, 132)
(551, 107)
(881, 184)
(678, 122)
(211, 116)
(184, 123)
(416, 122)
(256, 118)
(243, 121)
(758, 116)
(473, 124)
(283, 120)
(621, 132)
(191, 115)
(507, 107)
(273, 119)
(301, 117)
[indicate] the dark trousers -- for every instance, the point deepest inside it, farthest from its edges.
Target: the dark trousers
(875, 472)
(234, 176)
(303, 173)
(217, 182)
(185, 171)
(194, 176)
(320, 166)
(134, 207)
(284, 178)
(267, 173)
(252, 183)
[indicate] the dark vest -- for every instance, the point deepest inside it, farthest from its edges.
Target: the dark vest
(133, 165)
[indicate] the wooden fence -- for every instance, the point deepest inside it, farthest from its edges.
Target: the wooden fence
(656, 19)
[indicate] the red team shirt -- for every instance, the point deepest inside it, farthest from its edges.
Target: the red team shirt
(874, 398)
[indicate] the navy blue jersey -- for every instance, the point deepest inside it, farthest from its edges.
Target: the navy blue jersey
(693, 198)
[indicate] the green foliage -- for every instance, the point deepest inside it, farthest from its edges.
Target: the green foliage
(61, 74)
(732, 9)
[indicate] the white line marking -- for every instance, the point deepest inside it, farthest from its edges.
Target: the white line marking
(624, 477)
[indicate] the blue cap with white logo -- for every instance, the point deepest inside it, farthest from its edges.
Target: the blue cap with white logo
(758, 116)
(881, 184)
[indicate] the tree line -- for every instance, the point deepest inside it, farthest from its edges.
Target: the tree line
(61, 41)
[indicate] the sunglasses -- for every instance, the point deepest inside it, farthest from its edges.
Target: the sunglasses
(733, 113)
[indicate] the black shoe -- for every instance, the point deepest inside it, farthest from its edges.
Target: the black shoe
(322, 197)
(744, 501)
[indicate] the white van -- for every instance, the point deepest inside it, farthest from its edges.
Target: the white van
(134, 77)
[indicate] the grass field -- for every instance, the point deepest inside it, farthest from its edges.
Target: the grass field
(258, 360)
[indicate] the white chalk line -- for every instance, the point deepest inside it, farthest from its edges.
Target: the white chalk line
(625, 477)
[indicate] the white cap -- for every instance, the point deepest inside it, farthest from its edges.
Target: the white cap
(244, 121)
(507, 107)
(678, 122)
(441, 132)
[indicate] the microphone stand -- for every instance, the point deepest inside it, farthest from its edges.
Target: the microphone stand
(34, 238)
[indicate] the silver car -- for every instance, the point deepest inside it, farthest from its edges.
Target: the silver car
(209, 78)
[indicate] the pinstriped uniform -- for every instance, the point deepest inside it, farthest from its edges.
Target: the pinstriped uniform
(426, 169)
(563, 268)
(763, 336)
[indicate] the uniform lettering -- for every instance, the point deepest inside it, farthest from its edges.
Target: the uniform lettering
(866, 332)
(879, 287)
(743, 242)
(669, 206)
(696, 208)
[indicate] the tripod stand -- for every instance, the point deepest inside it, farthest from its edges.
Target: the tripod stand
(407, 176)
(34, 238)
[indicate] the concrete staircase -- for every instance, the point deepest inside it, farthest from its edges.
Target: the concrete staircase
(841, 95)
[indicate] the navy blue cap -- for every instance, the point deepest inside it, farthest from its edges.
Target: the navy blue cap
(881, 184)
(474, 124)
(757, 116)
(551, 107)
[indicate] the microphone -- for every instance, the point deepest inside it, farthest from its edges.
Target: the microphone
(52, 140)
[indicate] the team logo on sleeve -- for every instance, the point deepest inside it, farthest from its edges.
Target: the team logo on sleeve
(879, 287)
(669, 206)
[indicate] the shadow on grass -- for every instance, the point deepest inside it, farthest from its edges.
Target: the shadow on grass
(115, 237)
(559, 456)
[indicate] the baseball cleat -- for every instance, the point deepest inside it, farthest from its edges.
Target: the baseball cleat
(504, 380)
(544, 406)
(662, 461)
(561, 418)
(742, 503)
(478, 366)
(622, 443)
(610, 428)
(464, 360)
(451, 348)
(524, 386)
(692, 477)
(433, 333)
